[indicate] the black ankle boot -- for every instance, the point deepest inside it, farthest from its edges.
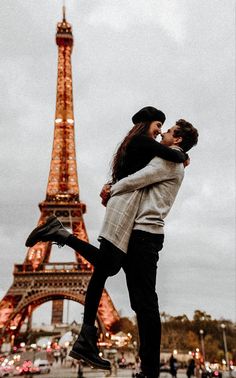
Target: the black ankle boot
(52, 230)
(85, 348)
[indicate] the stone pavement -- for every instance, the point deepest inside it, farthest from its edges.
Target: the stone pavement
(66, 372)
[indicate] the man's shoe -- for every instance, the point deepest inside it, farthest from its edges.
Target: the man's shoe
(140, 375)
(52, 230)
(85, 348)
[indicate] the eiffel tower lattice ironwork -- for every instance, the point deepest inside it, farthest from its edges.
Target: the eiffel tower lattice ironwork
(37, 281)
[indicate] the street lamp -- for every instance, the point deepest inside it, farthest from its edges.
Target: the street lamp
(223, 326)
(202, 345)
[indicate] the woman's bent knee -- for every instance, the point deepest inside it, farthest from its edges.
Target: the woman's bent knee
(114, 270)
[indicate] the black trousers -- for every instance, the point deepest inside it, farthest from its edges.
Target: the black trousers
(140, 266)
(107, 261)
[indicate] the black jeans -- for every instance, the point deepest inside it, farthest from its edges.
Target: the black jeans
(107, 261)
(140, 268)
(108, 264)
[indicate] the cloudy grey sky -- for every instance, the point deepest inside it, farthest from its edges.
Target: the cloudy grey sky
(177, 55)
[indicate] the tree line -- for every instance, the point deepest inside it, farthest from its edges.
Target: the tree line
(183, 334)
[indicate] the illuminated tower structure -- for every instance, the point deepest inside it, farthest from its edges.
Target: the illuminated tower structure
(37, 281)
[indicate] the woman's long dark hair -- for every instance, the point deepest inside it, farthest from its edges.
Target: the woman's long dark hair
(119, 158)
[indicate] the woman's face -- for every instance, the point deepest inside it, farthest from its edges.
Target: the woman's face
(154, 129)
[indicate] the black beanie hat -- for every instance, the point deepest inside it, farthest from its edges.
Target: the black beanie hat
(149, 113)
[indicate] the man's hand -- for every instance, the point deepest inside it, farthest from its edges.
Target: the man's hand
(105, 194)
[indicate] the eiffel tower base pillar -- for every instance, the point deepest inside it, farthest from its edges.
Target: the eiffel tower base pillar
(57, 311)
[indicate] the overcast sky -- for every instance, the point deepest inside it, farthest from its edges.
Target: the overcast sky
(176, 55)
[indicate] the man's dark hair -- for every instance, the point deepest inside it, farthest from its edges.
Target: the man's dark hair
(188, 133)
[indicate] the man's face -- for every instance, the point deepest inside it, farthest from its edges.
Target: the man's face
(168, 138)
(154, 129)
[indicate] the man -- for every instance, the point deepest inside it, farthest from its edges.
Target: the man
(153, 190)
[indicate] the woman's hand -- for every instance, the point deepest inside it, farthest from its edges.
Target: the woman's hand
(105, 194)
(186, 162)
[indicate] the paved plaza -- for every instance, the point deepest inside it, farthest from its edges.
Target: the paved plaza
(65, 372)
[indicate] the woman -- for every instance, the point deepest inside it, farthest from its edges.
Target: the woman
(136, 150)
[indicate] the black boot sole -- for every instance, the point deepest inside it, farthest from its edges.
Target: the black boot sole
(32, 239)
(79, 356)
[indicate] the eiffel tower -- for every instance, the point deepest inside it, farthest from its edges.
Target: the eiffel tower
(37, 281)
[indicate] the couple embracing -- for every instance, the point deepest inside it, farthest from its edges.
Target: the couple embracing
(146, 177)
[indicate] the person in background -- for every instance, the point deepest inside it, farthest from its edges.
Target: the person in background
(173, 366)
(191, 368)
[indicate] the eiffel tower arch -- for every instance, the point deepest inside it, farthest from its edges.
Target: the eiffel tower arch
(38, 280)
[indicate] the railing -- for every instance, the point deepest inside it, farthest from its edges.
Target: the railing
(52, 268)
